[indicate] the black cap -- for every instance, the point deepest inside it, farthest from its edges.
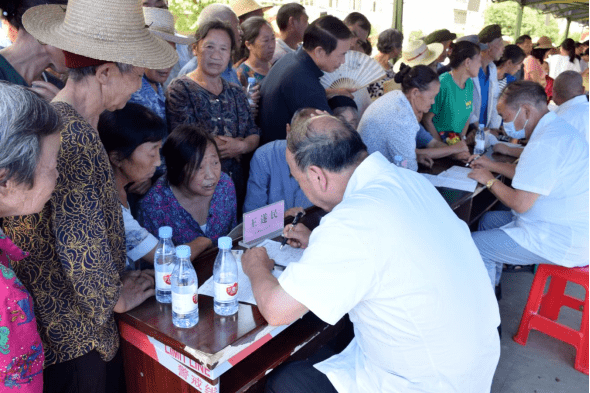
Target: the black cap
(439, 36)
(341, 101)
(490, 33)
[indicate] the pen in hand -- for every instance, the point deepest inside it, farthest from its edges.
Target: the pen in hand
(295, 222)
(469, 163)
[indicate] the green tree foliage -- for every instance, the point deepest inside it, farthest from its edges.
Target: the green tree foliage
(187, 13)
(533, 21)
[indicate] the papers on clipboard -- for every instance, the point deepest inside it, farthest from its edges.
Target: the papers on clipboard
(455, 178)
(245, 294)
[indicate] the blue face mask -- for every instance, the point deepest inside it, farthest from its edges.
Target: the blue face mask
(511, 131)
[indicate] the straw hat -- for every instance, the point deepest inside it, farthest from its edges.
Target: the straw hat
(416, 52)
(107, 30)
(544, 43)
(242, 7)
(161, 23)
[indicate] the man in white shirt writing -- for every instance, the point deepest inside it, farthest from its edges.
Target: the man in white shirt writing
(424, 316)
(549, 193)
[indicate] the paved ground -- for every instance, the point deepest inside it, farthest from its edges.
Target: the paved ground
(544, 364)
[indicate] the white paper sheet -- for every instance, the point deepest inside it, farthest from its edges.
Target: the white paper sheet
(450, 182)
(245, 295)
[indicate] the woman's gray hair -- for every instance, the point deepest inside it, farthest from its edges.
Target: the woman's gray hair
(25, 118)
(77, 74)
(389, 40)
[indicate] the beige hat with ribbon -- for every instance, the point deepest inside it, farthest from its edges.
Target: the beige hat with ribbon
(416, 52)
(544, 43)
(161, 23)
(107, 30)
(242, 7)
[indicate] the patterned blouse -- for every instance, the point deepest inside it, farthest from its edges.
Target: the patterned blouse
(77, 249)
(21, 352)
(160, 208)
(225, 114)
(376, 89)
(245, 72)
(149, 98)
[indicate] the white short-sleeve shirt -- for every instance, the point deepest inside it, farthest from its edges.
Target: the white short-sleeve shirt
(395, 257)
(138, 240)
(554, 164)
(560, 63)
(575, 111)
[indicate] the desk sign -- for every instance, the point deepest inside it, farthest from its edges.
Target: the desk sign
(263, 223)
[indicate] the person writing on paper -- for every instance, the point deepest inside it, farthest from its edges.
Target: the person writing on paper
(195, 198)
(401, 303)
(549, 193)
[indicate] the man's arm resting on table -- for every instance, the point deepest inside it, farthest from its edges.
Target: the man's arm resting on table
(275, 305)
(504, 168)
(518, 200)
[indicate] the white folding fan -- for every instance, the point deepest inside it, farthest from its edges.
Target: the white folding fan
(358, 71)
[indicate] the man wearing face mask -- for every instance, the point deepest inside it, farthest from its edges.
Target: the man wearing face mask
(549, 193)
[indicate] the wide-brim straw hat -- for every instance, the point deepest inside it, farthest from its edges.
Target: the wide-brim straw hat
(161, 22)
(416, 52)
(544, 43)
(242, 7)
(107, 30)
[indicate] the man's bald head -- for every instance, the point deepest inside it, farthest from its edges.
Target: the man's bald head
(225, 14)
(567, 85)
(326, 142)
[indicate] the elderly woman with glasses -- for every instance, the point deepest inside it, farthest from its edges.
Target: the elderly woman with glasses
(29, 142)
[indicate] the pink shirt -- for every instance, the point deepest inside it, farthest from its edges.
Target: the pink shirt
(531, 64)
(21, 352)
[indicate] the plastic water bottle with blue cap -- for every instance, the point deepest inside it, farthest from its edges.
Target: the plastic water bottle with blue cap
(225, 279)
(249, 89)
(185, 298)
(164, 259)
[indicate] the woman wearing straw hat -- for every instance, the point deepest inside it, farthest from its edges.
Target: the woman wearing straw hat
(77, 243)
(204, 96)
(151, 93)
(245, 9)
(25, 60)
(453, 105)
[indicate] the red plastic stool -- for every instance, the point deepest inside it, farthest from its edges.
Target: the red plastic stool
(545, 319)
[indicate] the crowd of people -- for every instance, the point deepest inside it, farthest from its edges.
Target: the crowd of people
(114, 125)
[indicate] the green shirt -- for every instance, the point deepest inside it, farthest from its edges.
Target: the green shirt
(8, 73)
(452, 105)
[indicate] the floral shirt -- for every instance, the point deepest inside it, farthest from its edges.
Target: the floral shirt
(245, 72)
(161, 208)
(148, 97)
(376, 89)
(226, 114)
(21, 352)
(77, 248)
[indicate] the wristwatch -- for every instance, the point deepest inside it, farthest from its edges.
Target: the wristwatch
(490, 183)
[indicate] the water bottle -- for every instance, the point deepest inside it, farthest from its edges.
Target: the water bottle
(480, 140)
(185, 298)
(163, 264)
(225, 279)
(399, 161)
(251, 84)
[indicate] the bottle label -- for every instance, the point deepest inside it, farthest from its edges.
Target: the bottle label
(480, 144)
(184, 303)
(163, 280)
(226, 292)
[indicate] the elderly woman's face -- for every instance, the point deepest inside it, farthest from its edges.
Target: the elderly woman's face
(263, 47)
(205, 178)
(119, 86)
(142, 163)
(214, 52)
(20, 199)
